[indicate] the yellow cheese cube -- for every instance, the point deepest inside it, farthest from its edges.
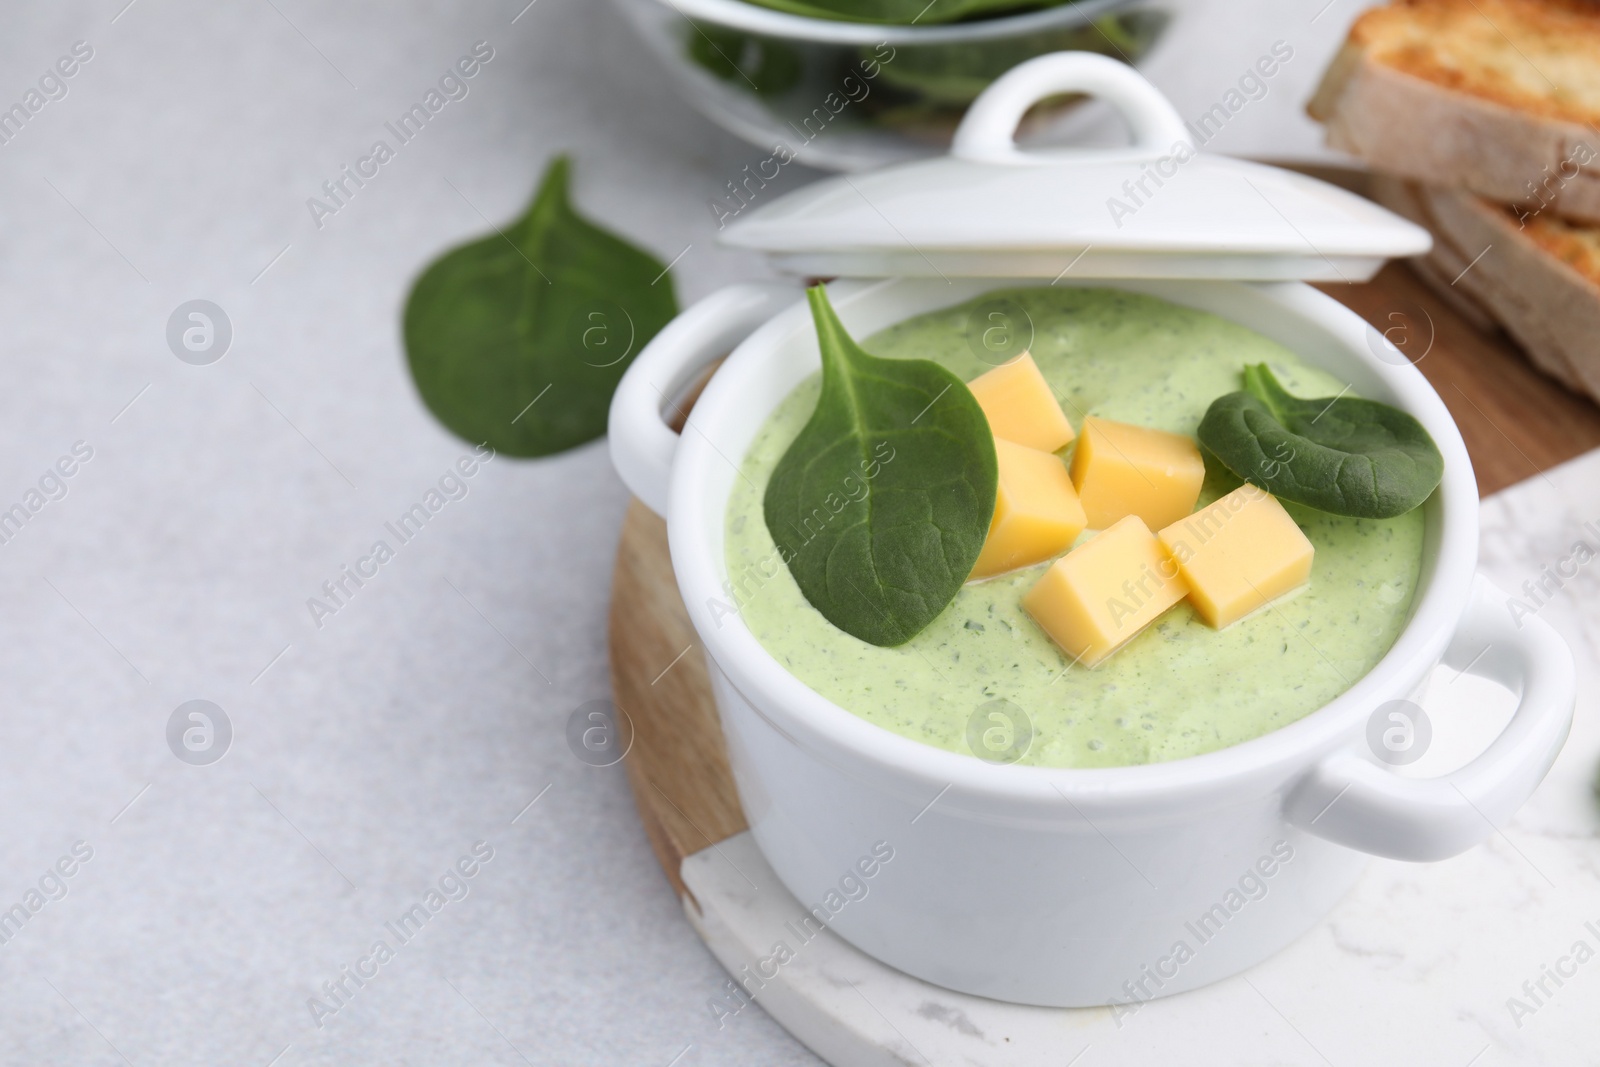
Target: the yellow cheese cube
(1132, 470)
(1238, 554)
(1036, 511)
(1097, 597)
(1020, 406)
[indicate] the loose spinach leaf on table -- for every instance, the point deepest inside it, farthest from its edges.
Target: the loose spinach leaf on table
(1342, 455)
(882, 503)
(905, 11)
(519, 339)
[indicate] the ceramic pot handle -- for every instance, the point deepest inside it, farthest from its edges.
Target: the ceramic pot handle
(641, 442)
(987, 132)
(1353, 801)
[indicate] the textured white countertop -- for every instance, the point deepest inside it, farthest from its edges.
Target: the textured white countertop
(370, 755)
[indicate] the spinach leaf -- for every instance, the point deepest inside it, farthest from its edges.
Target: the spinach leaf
(1342, 455)
(518, 340)
(881, 505)
(953, 75)
(904, 12)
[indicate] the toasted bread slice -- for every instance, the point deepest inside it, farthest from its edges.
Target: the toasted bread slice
(1501, 97)
(1538, 276)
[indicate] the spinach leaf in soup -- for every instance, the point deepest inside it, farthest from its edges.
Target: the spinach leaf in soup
(881, 504)
(1343, 455)
(518, 339)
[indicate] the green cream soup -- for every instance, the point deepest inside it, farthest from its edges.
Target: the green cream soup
(1178, 689)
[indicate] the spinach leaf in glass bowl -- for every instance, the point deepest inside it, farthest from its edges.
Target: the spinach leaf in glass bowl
(881, 505)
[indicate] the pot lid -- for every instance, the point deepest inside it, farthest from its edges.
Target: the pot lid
(1157, 208)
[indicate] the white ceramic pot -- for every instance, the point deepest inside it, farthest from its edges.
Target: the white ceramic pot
(1076, 887)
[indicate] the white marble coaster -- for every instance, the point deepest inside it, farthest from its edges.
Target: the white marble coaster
(1473, 961)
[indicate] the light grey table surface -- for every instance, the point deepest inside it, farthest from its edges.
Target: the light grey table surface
(372, 752)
